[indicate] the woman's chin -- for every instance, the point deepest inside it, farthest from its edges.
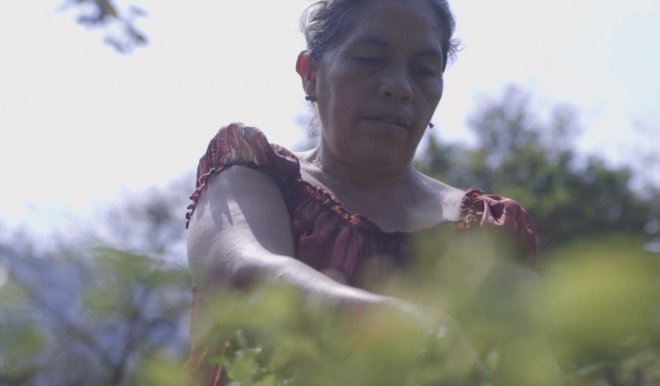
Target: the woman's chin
(384, 158)
(382, 146)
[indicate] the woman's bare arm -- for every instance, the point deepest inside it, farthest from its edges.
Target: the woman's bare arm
(241, 232)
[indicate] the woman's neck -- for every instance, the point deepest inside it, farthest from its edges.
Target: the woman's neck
(358, 177)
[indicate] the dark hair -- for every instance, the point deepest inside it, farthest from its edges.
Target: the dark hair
(325, 22)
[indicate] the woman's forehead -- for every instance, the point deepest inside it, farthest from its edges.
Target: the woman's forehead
(390, 23)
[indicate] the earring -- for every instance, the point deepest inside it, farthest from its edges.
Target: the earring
(431, 125)
(308, 97)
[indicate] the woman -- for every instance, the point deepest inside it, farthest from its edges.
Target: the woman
(373, 71)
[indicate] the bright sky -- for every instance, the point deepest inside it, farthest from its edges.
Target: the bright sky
(80, 123)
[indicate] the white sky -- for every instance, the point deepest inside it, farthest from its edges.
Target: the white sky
(80, 123)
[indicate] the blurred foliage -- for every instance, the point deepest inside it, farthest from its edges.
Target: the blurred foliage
(111, 307)
(89, 317)
(601, 314)
(278, 345)
(104, 307)
(603, 304)
(119, 25)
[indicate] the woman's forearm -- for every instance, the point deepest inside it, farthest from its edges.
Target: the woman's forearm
(315, 287)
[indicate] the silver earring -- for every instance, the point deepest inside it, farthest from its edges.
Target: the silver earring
(431, 125)
(308, 97)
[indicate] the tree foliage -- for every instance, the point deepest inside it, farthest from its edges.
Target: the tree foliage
(121, 32)
(103, 308)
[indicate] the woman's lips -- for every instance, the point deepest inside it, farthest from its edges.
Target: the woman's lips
(393, 121)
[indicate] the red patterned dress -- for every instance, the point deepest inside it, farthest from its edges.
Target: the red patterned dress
(326, 236)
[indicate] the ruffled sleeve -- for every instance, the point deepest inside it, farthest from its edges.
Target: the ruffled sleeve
(490, 211)
(237, 144)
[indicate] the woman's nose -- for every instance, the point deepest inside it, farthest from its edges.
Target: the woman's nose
(396, 85)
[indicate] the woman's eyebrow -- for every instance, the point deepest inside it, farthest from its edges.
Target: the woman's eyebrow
(433, 53)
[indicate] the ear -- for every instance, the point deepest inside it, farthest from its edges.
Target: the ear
(307, 71)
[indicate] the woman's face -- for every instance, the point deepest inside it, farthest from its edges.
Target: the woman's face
(376, 91)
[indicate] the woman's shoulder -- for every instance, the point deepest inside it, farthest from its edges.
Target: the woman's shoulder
(239, 145)
(472, 209)
(446, 198)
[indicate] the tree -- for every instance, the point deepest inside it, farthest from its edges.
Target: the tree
(109, 308)
(106, 14)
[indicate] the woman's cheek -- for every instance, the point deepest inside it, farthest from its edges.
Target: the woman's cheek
(433, 85)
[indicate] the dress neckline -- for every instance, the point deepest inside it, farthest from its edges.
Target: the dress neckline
(357, 220)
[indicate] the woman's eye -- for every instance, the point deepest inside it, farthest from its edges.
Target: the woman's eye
(425, 70)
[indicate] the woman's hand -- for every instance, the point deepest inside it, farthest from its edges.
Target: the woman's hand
(457, 359)
(445, 345)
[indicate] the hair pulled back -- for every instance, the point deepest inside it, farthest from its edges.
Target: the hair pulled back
(325, 23)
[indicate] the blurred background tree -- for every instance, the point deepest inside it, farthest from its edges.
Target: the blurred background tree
(119, 24)
(98, 309)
